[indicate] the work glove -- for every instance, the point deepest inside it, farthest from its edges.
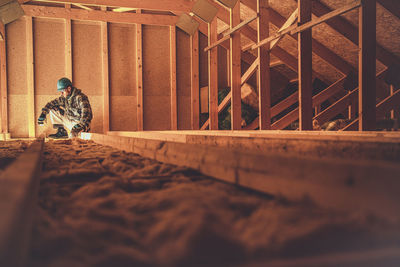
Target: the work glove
(42, 118)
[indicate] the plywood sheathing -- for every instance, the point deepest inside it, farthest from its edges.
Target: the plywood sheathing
(156, 78)
(87, 67)
(16, 75)
(183, 64)
(122, 56)
(49, 64)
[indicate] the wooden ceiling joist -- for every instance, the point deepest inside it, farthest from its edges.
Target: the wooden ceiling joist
(94, 15)
(166, 5)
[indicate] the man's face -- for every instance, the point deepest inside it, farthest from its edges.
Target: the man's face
(66, 92)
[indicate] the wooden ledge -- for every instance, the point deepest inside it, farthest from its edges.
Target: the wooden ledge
(18, 192)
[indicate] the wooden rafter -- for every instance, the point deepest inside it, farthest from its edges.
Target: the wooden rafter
(95, 15)
(320, 50)
(139, 76)
(292, 19)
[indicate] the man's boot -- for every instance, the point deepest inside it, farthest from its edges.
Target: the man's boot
(61, 133)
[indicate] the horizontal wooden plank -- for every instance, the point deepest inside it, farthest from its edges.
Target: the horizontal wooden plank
(167, 5)
(95, 15)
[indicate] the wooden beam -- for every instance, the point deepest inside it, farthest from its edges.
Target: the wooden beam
(82, 6)
(195, 82)
(68, 46)
(3, 82)
(228, 34)
(105, 76)
(305, 67)
(326, 17)
(30, 77)
(367, 66)
(322, 51)
(139, 76)
(319, 49)
(174, 100)
(348, 30)
(278, 35)
(250, 71)
(235, 70)
(289, 22)
(213, 76)
(95, 15)
(263, 73)
(167, 5)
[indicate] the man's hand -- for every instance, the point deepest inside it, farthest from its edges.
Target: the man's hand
(41, 118)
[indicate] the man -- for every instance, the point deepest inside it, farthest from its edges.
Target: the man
(71, 110)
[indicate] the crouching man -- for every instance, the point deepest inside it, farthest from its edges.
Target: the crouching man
(71, 110)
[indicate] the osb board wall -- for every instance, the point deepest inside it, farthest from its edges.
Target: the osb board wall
(49, 64)
(49, 57)
(87, 67)
(183, 63)
(122, 71)
(16, 76)
(156, 78)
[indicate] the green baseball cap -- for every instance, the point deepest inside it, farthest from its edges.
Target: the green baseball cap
(63, 83)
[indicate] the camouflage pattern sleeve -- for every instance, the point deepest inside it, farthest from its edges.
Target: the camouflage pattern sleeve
(54, 104)
(86, 113)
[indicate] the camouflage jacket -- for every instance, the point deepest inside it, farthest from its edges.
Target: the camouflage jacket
(76, 108)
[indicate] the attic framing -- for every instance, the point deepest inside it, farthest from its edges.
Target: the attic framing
(263, 42)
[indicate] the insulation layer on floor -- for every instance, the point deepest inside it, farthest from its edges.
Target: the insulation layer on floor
(99, 206)
(10, 150)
